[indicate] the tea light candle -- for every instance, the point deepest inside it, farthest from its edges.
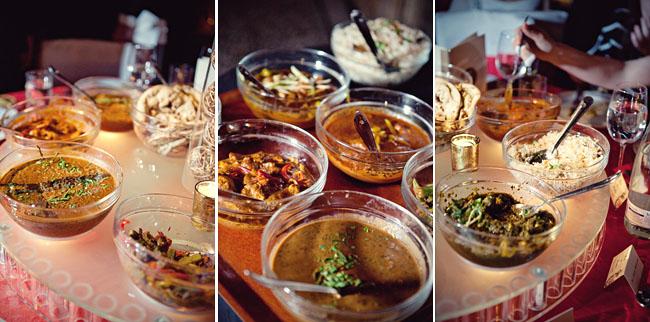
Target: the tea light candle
(203, 211)
(464, 152)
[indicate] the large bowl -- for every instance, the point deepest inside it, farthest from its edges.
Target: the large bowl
(253, 135)
(378, 212)
(71, 109)
(59, 223)
(445, 130)
(488, 249)
(112, 119)
(495, 119)
(300, 113)
(149, 271)
(365, 70)
(373, 167)
(562, 180)
(420, 168)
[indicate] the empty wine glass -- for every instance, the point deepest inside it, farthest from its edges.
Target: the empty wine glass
(508, 59)
(627, 115)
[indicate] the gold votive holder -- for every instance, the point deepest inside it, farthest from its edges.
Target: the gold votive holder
(464, 152)
(203, 210)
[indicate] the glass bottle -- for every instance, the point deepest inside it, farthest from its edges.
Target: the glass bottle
(637, 213)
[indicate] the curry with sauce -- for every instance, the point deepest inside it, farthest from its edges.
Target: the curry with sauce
(116, 111)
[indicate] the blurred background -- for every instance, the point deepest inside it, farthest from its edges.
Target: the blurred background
(90, 38)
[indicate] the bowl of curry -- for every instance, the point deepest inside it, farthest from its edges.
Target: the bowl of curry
(417, 186)
(114, 97)
(375, 253)
(479, 215)
(54, 118)
(402, 125)
(58, 189)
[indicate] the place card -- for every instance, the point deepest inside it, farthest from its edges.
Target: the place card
(618, 191)
(627, 264)
(566, 316)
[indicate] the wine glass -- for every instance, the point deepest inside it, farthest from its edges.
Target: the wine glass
(142, 66)
(508, 60)
(627, 115)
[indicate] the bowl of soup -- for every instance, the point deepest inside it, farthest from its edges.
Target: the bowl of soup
(402, 125)
(375, 253)
(59, 189)
(114, 97)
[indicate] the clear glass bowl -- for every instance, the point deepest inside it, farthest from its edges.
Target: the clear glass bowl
(61, 223)
(488, 249)
(420, 168)
(82, 113)
(562, 180)
(495, 119)
(300, 113)
(367, 71)
(445, 130)
(341, 204)
(254, 135)
(113, 119)
(381, 167)
(150, 271)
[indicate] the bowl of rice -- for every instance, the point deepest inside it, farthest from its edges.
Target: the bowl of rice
(579, 160)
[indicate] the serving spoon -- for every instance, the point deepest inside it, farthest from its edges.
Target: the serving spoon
(291, 285)
(55, 72)
(362, 125)
(357, 17)
(249, 77)
(544, 154)
(528, 210)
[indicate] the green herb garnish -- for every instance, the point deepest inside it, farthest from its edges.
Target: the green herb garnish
(333, 271)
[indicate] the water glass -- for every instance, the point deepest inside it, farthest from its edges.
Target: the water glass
(142, 66)
(38, 83)
(627, 115)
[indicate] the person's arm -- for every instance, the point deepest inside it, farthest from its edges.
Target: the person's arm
(597, 70)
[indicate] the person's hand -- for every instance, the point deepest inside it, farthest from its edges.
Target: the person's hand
(539, 42)
(640, 35)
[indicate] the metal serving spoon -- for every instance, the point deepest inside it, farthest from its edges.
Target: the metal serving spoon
(362, 125)
(251, 78)
(291, 285)
(357, 17)
(55, 72)
(542, 155)
(528, 210)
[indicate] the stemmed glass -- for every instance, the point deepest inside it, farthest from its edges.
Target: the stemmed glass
(142, 66)
(508, 59)
(627, 115)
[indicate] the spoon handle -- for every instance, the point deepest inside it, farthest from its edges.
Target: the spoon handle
(55, 72)
(294, 286)
(361, 23)
(582, 108)
(362, 125)
(251, 78)
(584, 189)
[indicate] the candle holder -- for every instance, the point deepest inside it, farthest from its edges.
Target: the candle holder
(464, 152)
(203, 210)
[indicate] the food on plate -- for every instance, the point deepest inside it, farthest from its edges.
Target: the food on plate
(116, 110)
(263, 176)
(454, 102)
(175, 271)
(165, 116)
(424, 193)
(370, 267)
(398, 45)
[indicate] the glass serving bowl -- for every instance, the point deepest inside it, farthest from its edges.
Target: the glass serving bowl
(367, 71)
(254, 135)
(115, 117)
(297, 112)
(373, 167)
(488, 249)
(495, 119)
(379, 213)
(80, 114)
(445, 130)
(562, 180)
(419, 168)
(60, 223)
(165, 280)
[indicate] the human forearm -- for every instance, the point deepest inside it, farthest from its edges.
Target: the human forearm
(597, 70)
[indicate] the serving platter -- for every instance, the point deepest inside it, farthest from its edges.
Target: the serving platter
(81, 279)
(465, 291)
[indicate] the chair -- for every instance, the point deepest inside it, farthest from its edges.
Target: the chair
(79, 58)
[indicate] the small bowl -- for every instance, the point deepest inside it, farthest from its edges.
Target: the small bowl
(445, 130)
(365, 70)
(84, 114)
(495, 119)
(420, 168)
(116, 120)
(561, 180)
(300, 113)
(150, 271)
(379, 212)
(382, 167)
(61, 223)
(488, 249)
(253, 135)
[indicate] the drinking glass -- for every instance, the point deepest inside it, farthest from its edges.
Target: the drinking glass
(142, 66)
(627, 115)
(38, 83)
(507, 60)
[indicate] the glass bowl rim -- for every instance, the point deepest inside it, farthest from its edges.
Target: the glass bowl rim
(410, 165)
(547, 96)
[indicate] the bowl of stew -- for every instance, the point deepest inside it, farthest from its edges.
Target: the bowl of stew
(377, 255)
(114, 97)
(417, 186)
(402, 125)
(59, 189)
